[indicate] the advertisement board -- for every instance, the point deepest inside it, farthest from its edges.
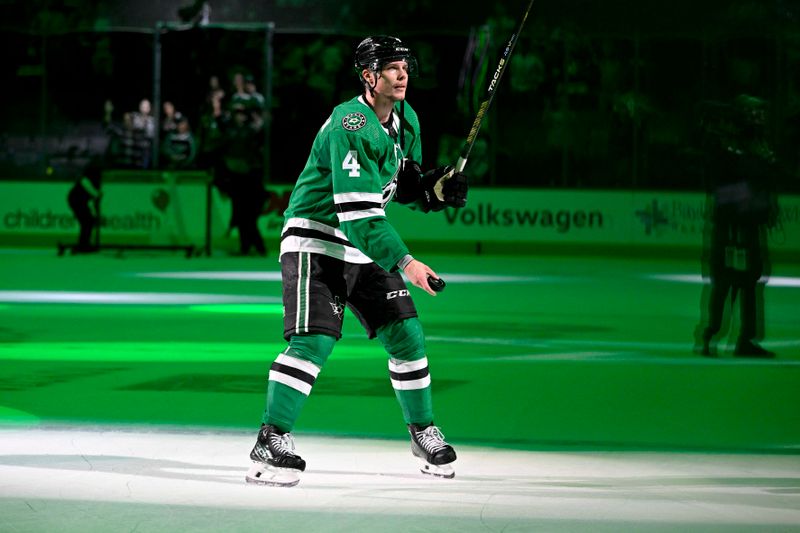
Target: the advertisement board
(164, 209)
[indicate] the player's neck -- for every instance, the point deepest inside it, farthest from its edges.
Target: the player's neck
(382, 106)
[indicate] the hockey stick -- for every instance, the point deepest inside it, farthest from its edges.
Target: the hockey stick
(438, 285)
(490, 92)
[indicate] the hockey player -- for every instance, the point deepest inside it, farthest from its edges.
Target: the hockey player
(338, 249)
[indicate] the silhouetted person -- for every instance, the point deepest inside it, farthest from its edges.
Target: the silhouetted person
(84, 200)
(241, 170)
(741, 171)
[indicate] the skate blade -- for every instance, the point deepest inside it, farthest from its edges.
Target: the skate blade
(271, 476)
(443, 471)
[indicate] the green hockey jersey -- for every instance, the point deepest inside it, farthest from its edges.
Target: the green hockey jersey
(337, 207)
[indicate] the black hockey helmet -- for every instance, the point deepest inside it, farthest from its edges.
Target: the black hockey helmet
(376, 51)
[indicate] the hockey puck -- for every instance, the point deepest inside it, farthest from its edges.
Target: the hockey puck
(436, 284)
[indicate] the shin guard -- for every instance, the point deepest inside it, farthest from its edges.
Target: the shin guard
(292, 376)
(408, 369)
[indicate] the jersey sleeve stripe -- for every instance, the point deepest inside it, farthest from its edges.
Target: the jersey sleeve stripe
(357, 215)
(344, 197)
(356, 206)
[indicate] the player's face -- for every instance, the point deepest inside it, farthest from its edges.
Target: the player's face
(393, 81)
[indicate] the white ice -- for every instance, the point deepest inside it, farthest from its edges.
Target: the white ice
(88, 478)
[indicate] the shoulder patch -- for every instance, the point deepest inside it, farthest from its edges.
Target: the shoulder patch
(354, 121)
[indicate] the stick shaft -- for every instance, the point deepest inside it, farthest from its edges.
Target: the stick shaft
(490, 92)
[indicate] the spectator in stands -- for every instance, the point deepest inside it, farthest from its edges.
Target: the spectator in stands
(256, 100)
(255, 103)
(214, 88)
(240, 94)
(129, 147)
(143, 119)
(210, 131)
(108, 113)
(178, 149)
(168, 122)
(84, 201)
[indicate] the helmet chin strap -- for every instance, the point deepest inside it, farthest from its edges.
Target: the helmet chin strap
(402, 127)
(370, 86)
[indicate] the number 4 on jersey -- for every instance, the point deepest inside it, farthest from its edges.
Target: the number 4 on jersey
(351, 163)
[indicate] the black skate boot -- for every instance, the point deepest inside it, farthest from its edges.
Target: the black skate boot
(428, 445)
(274, 460)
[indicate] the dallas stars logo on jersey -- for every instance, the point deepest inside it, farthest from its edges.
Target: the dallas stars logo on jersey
(354, 121)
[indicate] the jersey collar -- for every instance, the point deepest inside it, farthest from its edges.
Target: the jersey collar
(392, 126)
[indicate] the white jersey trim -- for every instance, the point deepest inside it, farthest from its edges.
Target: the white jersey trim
(313, 224)
(347, 253)
(357, 215)
(345, 197)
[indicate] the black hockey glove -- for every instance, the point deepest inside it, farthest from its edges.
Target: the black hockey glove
(408, 188)
(444, 187)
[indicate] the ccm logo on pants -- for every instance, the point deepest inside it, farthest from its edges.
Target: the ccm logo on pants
(395, 294)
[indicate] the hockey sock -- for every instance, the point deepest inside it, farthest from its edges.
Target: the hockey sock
(408, 369)
(292, 376)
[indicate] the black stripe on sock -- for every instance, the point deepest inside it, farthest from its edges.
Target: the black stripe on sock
(409, 376)
(294, 372)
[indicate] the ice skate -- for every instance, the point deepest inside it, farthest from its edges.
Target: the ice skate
(435, 455)
(274, 460)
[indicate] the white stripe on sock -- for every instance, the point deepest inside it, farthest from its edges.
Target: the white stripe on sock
(401, 367)
(299, 364)
(289, 381)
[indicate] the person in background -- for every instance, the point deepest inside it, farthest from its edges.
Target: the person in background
(210, 135)
(742, 172)
(241, 171)
(84, 201)
(143, 120)
(178, 148)
(168, 122)
(256, 98)
(240, 94)
(128, 145)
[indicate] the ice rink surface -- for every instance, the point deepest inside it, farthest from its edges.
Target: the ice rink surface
(141, 479)
(131, 389)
